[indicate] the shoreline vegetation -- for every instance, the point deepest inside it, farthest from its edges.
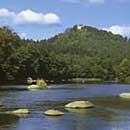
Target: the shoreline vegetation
(68, 81)
(81, 81)
(85, 55)
(72, 81)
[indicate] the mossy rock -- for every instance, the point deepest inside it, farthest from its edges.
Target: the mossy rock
(53, 113)
(79, 105)
(41, 83)
(125, 95)
(19, 112)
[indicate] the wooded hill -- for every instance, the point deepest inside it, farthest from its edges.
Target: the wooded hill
(79, 52)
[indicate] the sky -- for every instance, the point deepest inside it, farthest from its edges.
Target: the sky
(42, 19)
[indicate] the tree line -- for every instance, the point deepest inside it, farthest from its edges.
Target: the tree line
(84, 52)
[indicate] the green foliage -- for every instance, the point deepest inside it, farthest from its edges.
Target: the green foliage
(127, 80)
(123, 71)
(41, 83)
(77, 53)
(86, 80)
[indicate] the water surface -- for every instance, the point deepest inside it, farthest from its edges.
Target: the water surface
(110, 113)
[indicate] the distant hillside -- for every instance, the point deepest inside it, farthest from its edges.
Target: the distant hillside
(79, 52)
(91, 41)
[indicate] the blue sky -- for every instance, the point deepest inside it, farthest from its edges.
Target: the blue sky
(44, 18)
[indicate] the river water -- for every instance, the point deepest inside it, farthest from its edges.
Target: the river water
(110, 112)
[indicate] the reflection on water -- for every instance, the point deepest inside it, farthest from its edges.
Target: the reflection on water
(95, 113)
(110, 112)
(8, 121)
(115, 103)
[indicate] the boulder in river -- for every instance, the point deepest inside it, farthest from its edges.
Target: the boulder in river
(19, 112)
(79, 105)
(52, 112)
(125, 95)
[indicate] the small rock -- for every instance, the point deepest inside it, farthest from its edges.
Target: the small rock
(80, 105)
(125, 95)
(53, 113)
(33, 87)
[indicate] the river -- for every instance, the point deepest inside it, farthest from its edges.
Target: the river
(110, 112)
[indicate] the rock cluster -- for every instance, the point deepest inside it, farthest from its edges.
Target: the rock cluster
(40, 84)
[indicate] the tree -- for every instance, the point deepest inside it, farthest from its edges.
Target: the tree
(123, 70)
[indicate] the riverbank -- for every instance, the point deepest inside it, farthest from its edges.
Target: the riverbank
(70, 81)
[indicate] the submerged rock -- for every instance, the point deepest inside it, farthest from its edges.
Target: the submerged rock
(1, 104)
(19, 112)
(80, 105)
(53, 113)
(125, 95)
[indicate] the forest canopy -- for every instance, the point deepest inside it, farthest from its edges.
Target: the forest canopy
(79, 52)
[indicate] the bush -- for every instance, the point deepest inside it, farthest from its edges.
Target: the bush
(41, 83)
(127, 80)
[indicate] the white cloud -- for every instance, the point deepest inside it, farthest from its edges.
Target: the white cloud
(116, 29)
(29, 16)
(85, 1)
(6, 13)
(51, 18)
